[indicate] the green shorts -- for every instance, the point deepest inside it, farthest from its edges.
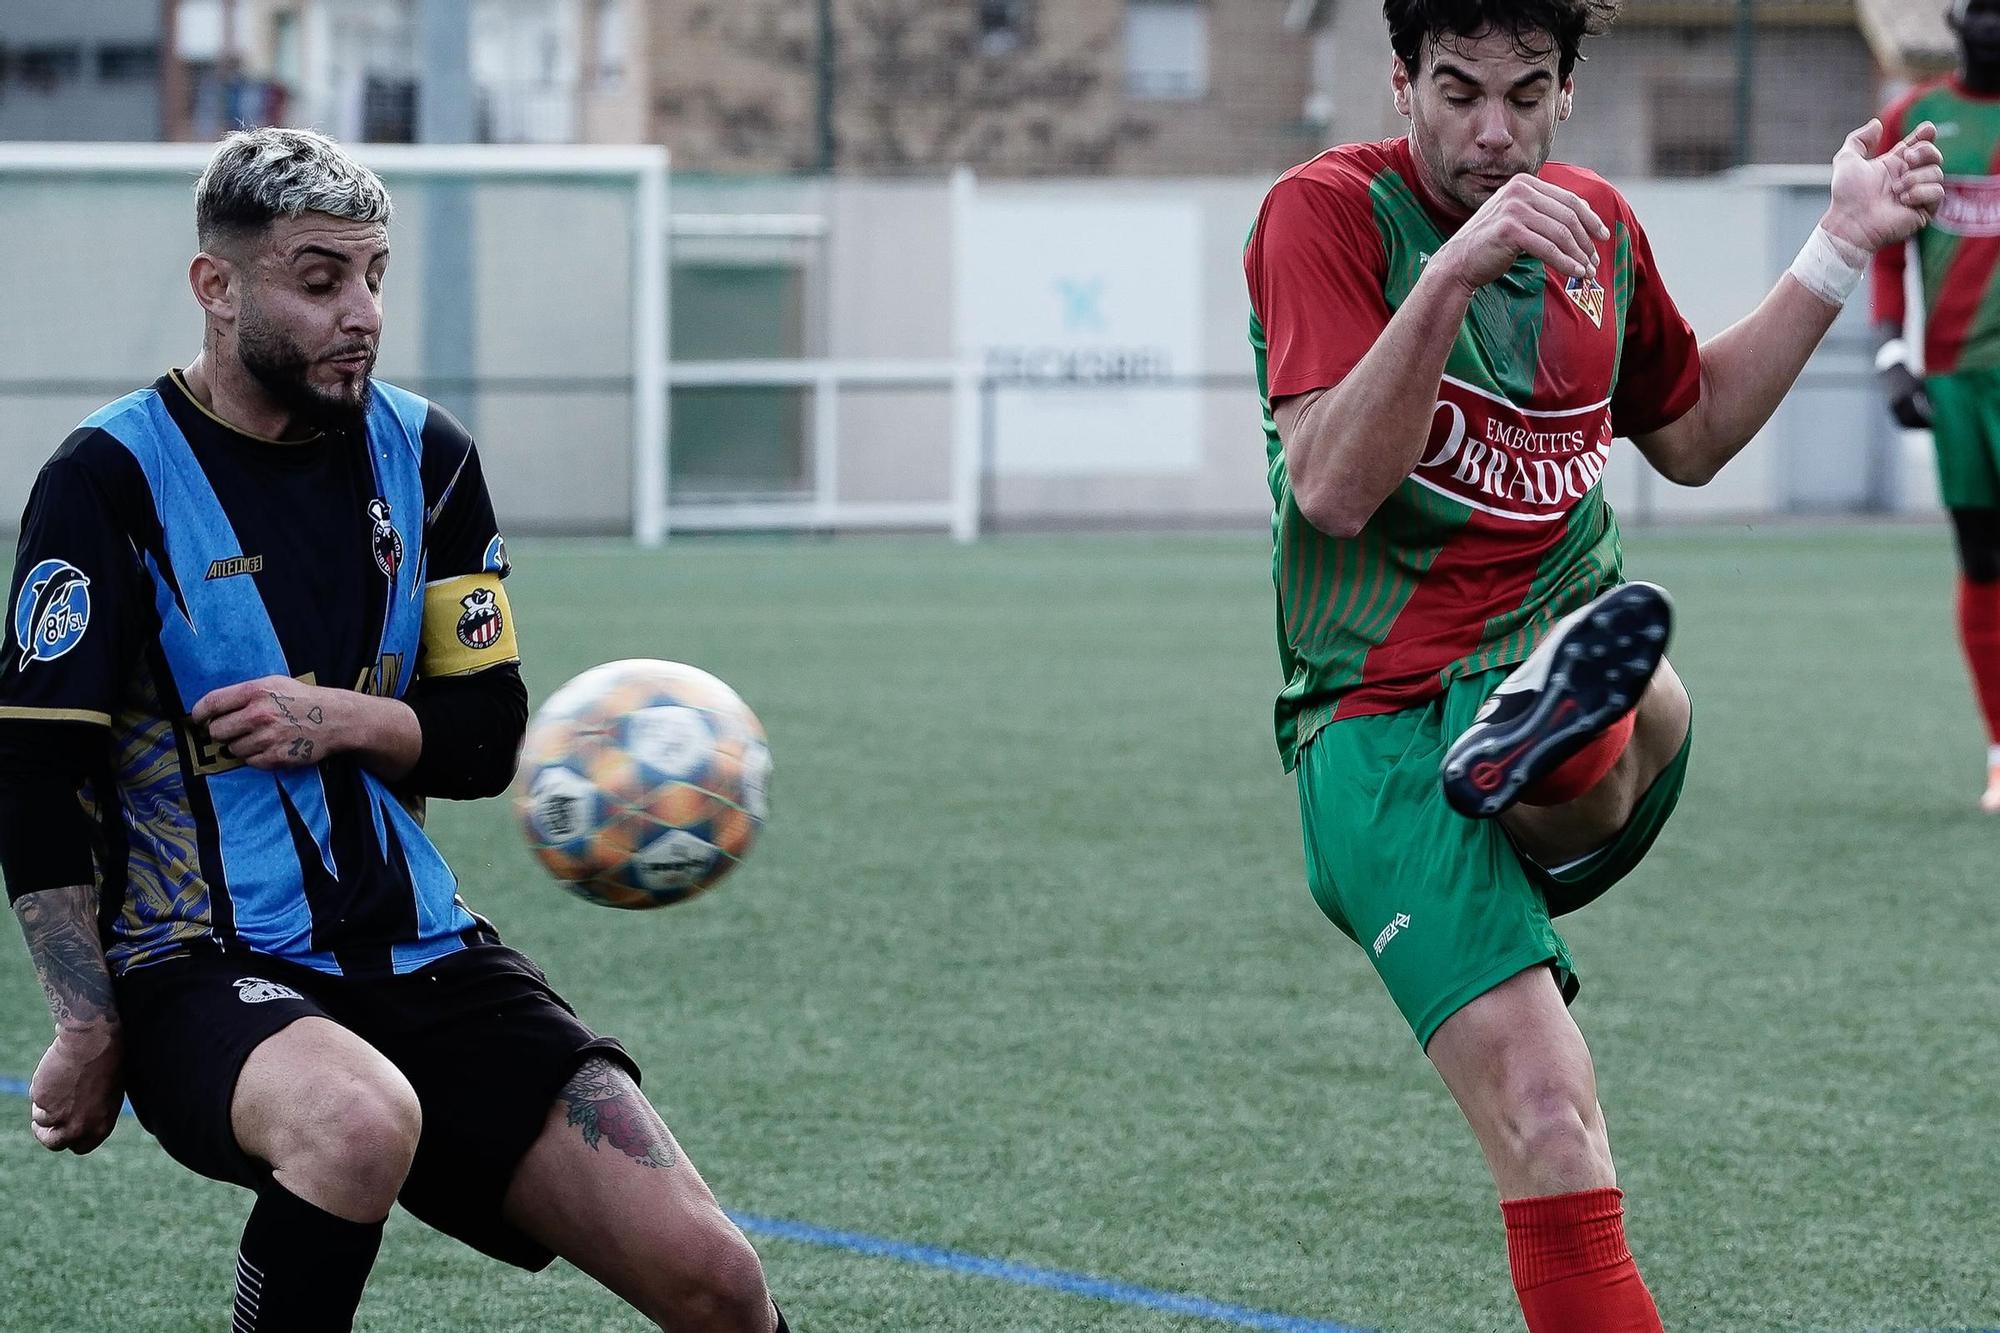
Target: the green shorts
(1965, 424)
(1444, 906)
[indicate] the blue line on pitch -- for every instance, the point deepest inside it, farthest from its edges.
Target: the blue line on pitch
(973, 1265)
(1027, 1275)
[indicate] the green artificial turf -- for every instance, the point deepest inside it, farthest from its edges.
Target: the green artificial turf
(1025, 967)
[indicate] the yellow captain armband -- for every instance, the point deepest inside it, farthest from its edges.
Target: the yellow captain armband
(468, 626)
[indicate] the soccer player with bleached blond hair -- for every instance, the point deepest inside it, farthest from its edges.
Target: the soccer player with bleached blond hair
(258, 617)
(1450, 330)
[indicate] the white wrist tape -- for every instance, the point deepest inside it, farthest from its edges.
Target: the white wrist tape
(1822, 270)
(1895, 352)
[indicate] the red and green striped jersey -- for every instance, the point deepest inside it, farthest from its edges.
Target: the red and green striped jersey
(1958, 255)
(1502, 526)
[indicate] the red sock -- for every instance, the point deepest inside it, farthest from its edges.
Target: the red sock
(1979, 632)
(1571, 1267)
(1586, 768)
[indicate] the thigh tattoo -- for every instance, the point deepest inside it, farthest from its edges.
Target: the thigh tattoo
(605, 1105)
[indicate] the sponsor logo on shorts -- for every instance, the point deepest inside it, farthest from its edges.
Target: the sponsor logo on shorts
(256, 990)
(1391, 931)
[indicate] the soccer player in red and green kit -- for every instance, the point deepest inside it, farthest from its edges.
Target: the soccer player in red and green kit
(1957, 394)
(1451, 329)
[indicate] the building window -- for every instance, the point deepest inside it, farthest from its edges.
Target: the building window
(128, 62)
(1694, 128)
(45, 68)
(609, 43)
(388, 109)
(1003, 26)
(1166, 49)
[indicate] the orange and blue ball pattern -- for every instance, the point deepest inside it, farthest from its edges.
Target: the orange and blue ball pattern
(643, 783)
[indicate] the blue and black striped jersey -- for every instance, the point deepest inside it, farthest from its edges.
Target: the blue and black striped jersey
(163, 555)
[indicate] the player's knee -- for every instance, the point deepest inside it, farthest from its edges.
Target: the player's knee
(360, 1133)
(1556, 1134)
(723, 1291)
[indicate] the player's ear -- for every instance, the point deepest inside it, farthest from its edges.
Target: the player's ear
(1566, 100)
(1399, 80)
(212, 278)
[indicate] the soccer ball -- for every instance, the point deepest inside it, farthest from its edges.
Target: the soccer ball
(642, 783)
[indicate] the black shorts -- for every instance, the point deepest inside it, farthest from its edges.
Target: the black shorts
(481, 1036)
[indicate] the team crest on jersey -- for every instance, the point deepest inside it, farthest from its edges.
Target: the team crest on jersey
(386, 541)
(256, 990)
(479, 626)
(52, 612)
(1588, 294)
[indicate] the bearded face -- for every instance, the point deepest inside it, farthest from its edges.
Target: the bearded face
(308, 318)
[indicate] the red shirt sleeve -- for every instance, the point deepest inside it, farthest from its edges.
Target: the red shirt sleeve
(1659, 368)
(1316, 268)
(1886, 301)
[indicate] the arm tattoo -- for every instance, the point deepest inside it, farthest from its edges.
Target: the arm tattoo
(61, 927)
(602, 1101)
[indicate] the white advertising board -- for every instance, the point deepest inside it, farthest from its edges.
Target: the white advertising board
(1078, 309)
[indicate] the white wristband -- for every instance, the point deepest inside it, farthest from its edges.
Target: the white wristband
(1895, 352)
(1822, 270)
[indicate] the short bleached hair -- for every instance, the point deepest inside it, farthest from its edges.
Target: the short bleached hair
(259, 176)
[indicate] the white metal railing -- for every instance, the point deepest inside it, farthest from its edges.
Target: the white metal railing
(753, 226)
(825, 509)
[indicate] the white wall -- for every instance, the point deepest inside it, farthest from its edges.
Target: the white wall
(96, 278)
(96, 283)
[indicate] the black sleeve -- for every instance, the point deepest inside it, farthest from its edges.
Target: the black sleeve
(68, 646)
(472, 727)
(468, 695)
(468, 626)
(45, 836)
(461, 535)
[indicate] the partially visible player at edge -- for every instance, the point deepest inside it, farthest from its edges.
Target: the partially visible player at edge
(1450, 331)
(1957, 391)
(257, 617)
